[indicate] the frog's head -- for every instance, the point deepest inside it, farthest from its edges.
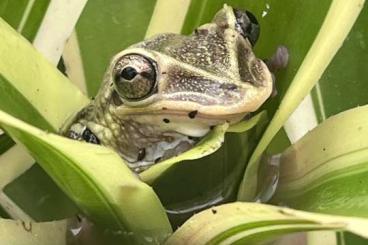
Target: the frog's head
(172, 86)
(189, 83)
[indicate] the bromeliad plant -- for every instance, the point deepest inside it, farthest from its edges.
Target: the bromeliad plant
(324, 172)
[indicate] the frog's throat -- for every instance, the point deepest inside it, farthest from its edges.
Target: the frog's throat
(141, 145)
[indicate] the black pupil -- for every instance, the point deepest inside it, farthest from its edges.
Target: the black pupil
(128, 73)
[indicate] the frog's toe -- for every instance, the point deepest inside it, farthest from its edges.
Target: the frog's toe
(279, 60)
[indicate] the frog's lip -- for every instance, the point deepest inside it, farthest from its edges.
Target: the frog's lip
(190, 110)
(193, 114)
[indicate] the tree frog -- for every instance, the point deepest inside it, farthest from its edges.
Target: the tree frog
(161, 95)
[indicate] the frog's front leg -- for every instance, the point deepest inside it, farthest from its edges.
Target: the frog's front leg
(279, 60)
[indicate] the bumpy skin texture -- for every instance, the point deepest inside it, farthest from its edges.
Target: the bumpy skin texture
(198, 81)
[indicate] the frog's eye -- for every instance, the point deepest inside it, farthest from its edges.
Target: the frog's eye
(134, 77)
(247, 25)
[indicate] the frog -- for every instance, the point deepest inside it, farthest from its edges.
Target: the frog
(159, 97)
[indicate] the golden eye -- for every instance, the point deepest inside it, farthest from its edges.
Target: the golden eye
(134, 77)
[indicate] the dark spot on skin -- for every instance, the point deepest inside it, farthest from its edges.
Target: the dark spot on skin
(214, 211)
(166, 120)
(324, 149)
(89, 137)
(79, 218)
(157, 160)
(38, 90)
(228, 86)
(27, 226)
(164, 108)
(164, 72)
(192, 114)
(195, 139)
(224, 25)
(248, 116)
(212, 127)
(73, 135)
(141, 154)
(201, 31)
(116, 99)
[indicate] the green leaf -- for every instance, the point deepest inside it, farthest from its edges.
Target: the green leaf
(112, 196)
(208, 145)
(351, 83)
(21, 232)
(25, 77)
(339, 20)
(248, 223)
(325, 99)
(47, 24)
(327, 170)
(36, 194)
(188, 186)
(24, 15)
(45, 98)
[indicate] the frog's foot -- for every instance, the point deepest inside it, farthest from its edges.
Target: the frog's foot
(278, 61)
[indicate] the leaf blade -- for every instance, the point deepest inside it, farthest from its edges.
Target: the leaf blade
(30, 74)
(246, 223)
(341, 16)
(112, 196)
(326, 170)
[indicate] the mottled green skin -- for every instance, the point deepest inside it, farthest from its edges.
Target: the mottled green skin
(204, 79)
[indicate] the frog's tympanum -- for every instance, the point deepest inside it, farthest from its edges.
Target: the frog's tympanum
(161, 95)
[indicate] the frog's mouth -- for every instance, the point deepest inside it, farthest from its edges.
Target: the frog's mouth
(191, 123)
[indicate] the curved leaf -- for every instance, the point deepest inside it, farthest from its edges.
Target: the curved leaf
(351, 83)
(45, 98)
(206, 146)
(25, 16)
(35, 91)
(338, 22)
(209, 144)
(112, 196)
(248, 223)
(327, 170)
